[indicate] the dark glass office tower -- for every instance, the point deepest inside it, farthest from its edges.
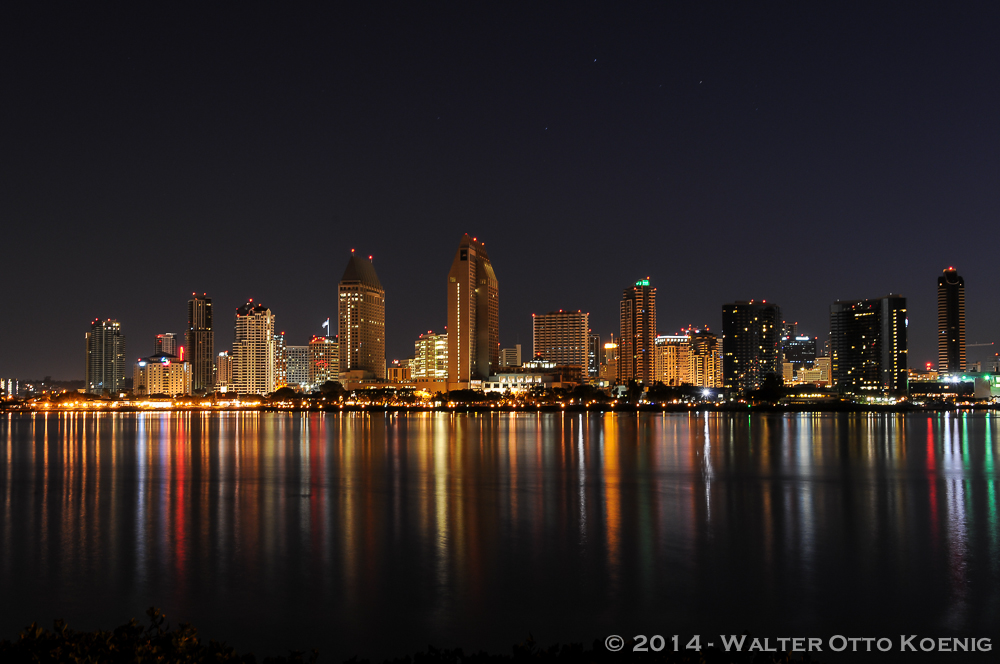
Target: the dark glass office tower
(751, 345)
(200, 341)
(951, 322)
(868, 346)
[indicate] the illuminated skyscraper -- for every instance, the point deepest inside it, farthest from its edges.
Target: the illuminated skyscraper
(224, 372)
(593, 355)
(324, 361)
(200, 342)
(166, 344)
(430, 358)
(637, 312)
(692, 358)
(751, 345)
(253, 350)
(671, 360)
(510, 357)
(705, 359)
(105, 357)
(361, 314)
(951, 322)
(297, 366)
(280, 361)
(868, 346)
(473, 315)
(609, 365)
(161, 374)
(562, 337)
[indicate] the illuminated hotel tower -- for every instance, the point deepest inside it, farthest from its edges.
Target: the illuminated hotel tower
(361, 313)
(473, 314)
(200, 342)
(253, 350)
(637, 344)
(951, 322)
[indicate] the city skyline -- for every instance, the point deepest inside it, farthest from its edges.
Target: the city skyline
(737, 136)
(163, 340)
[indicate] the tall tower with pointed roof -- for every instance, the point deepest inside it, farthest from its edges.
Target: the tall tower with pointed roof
(361, 317)
(473, 314)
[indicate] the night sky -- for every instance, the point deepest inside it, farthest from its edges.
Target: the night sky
(791, 152)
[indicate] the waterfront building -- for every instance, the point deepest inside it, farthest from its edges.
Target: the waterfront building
(361, 320)
(253, 350)
(200, 342)
(926, 375)
(161, 373)
(798, 352)
(562, 337)
(430, 358)
(473, 315)
(868, 346)
(518, 383)
(609, 367)
(692, 358)
(223, 372)
(637, 328)
(324, 361)
(751, 345)
(166, 344)
(297, 366)
(672, 359)
(510, 357)
(593, 355)
(399, 371)
(280, 361)
(9, 388)
(951, 322)
(105, 368)
(704, 359)
(817, 374)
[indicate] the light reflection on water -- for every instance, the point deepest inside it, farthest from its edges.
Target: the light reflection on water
(274, 531)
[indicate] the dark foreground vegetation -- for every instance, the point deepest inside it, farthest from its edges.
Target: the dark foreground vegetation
(132, 642)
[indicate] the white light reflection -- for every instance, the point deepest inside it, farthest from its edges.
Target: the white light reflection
(582, 483)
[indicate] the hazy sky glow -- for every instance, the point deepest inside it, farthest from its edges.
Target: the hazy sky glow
(786, 152)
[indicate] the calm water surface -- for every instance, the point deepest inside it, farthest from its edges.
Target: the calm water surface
(378, 534)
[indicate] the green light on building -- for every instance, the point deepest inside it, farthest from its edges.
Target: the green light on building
(642, 282)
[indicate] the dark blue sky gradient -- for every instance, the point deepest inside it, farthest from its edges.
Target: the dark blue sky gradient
(787, 152)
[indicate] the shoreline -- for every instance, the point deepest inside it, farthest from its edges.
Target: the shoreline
(548, 408)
